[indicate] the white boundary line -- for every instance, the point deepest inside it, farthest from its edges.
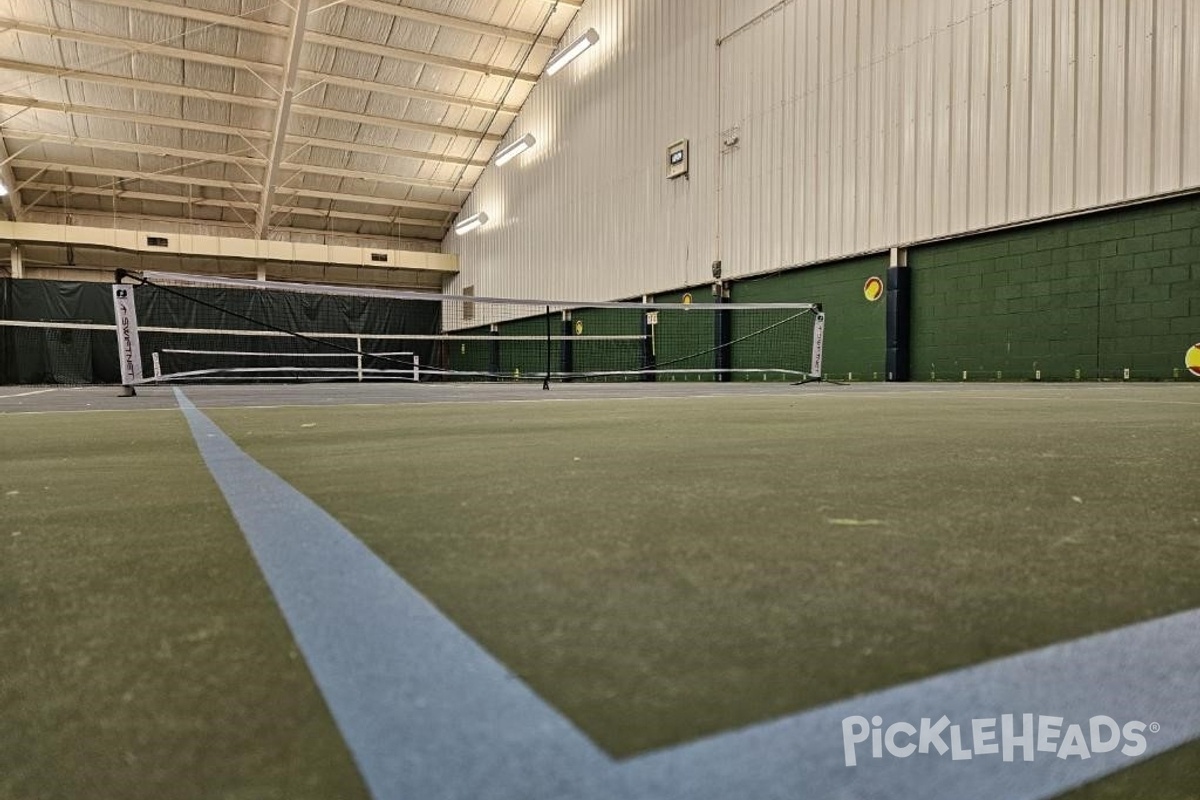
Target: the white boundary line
(26, 394)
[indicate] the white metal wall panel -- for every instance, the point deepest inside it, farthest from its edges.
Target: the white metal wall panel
(1139, 144)
(1190, 92)
(859, 125)
(1113, 113)
(1020, 99)
(1087, 119)
(1168, 96)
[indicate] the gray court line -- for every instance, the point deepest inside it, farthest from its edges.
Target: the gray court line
(428, 714)
(425, 711)
(1148, 672)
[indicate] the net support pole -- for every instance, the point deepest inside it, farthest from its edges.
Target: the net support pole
(494, 353)
(129, 351)
(649, 323)
(722, 330)
(358, 357)
(566, 349)
(549, 339)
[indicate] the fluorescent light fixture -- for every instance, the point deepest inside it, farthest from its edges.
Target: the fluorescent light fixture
(515, 149)
(470, 223)
(572, 51)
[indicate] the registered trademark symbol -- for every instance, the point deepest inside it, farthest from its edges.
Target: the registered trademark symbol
(1155, 727)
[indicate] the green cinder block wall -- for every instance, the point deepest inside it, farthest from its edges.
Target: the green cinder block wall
(1085, 298)
(855, 332)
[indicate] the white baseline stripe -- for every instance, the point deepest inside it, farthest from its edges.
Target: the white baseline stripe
(26, 394)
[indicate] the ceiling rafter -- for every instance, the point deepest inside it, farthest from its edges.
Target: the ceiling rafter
(382, 240)
(203, 156)
(214, 202)
(409, 93)
(450, 21)
(331, 40)
(230, 130)
(416, 56)
(135, 47)
(396, 124)
(139, 84)
(12, 200)
(199, 15)
(256, 68)
(425, 205)
(376, 177)
(283, 115)
(176, 90)
(104, 172)
(377, 240)
(136, 148)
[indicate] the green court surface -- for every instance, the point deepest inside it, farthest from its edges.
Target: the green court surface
(658, 569)
(141, 653)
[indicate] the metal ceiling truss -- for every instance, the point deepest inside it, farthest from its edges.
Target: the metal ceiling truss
(283, 116)
(211, 202)
(166, 178)
(270, 152)
(243, 161)
(229, 130)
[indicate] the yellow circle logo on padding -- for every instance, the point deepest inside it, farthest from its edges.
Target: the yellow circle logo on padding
(873, 289)
(1193, 359)
(579, 327)
(687, 299)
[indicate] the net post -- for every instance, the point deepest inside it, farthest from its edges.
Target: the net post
(546, 379)
(722, 328)
(566, 348)
(818, 346)
(494, 354)
(358, 357)
(129, 351)
(649, 323)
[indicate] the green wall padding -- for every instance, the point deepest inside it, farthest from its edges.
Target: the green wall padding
(1085, 298)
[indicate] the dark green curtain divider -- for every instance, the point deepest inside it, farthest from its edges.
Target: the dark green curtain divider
(59, 356)
(63, 356)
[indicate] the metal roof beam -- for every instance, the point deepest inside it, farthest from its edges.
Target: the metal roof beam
(283, 115)
(230, 130)
(409, 93)
(238, 226)
(200, 15)
(249, 65)
(86, 169)
(141, 84)
(134, 47)
(401, 54)
(211, 202)
(175, 90)
(205, 156)
(395, 124)
(139, 149)
(12, 200)
(449, 21)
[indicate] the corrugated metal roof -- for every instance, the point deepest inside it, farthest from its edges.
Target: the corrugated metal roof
(169, 110)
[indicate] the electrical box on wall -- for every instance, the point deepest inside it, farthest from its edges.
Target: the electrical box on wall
(677, 159)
